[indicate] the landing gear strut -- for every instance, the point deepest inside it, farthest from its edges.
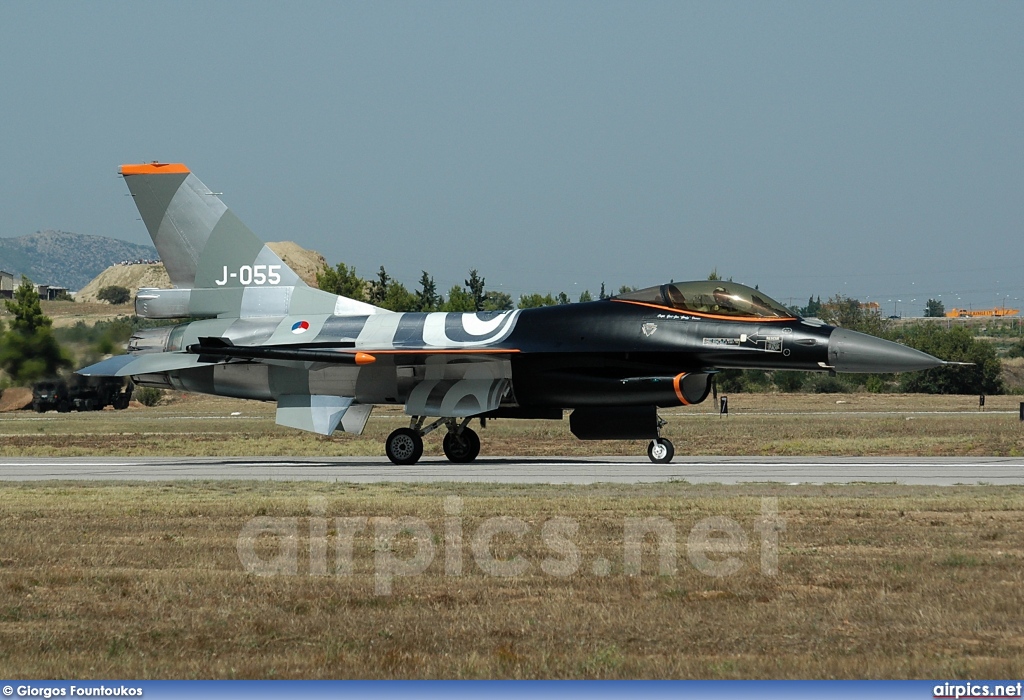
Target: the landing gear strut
(461, 444)
(660, 450)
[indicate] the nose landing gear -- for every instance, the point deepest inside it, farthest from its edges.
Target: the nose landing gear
(661, 450)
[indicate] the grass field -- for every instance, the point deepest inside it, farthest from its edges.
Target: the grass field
(146, 581)
(758, 424)
(166, 580)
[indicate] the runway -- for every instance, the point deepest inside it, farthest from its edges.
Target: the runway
(939, 471)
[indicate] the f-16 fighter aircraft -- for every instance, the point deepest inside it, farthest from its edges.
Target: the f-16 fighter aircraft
(326, 360)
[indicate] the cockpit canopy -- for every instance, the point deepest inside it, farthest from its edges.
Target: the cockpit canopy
(711, 297)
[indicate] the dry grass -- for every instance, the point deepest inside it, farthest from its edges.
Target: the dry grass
(144, 581)
(758, 424)
(882, 581)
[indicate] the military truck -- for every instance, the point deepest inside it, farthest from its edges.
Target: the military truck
(83, 394)
(50, 395)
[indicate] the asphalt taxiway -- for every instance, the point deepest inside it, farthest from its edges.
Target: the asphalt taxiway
(940, 471)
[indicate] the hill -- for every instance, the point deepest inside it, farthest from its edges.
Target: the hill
(306, 264)
(65, 259)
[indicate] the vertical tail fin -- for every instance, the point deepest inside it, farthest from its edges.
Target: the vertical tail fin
(202, 243)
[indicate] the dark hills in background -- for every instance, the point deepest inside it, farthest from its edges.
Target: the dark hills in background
(64, 259)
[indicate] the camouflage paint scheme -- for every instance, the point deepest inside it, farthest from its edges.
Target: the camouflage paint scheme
(264, 334)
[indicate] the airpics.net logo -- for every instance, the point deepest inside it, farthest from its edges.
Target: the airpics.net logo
(407, 546)
(960, 690)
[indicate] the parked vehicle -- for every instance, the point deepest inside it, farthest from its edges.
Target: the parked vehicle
(51, 395)
(85, 394)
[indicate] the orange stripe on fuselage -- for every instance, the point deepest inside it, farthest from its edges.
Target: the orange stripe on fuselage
(679, 390)
(465, 351)
(154, 169)
(758, 319)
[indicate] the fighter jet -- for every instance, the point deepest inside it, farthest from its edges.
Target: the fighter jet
(327, 360)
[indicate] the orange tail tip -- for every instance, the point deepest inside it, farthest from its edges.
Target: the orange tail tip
(363, 358)
(154, 169)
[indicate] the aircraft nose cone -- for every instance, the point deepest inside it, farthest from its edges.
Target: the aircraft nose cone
(849, 351)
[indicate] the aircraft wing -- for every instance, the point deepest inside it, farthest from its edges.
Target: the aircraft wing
(444, 383)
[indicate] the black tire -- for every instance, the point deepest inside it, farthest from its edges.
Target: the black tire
(661, 451)
(39, 408)
(121, 402)
(64, 407)
(404, 446)
(461, 448)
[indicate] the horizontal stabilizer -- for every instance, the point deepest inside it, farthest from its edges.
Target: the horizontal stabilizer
(107, 368)
(322, 414)
(128, 365)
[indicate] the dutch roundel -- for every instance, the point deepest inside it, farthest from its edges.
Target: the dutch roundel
(300, 327)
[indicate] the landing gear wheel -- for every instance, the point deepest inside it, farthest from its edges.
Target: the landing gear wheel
(461, 448)
(64, 407)
(404, 446)
(661, 451)
(121, 402)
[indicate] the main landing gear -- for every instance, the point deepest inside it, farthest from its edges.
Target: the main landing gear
(461, 444)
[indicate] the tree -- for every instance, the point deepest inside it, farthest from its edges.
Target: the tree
(379, 287)
(626, 289)
(459, 300)
(714, 276)
(955, 345)
(115, 294)
(934, 309)
(475, 285)
(585, 296)
(427, 298)
(29, 350)
(789, 380)
(498, 301)
(28, 314)
(602, 294)
(813, 308)
(847, 312)
(398, 298)
(342, 280)
(534, 301)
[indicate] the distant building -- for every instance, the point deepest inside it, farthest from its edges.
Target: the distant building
(6, 285)
(48, 292)
(997, 312)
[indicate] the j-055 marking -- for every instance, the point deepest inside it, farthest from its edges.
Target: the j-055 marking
(252, 275)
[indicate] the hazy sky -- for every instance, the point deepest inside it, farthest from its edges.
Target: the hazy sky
(873, 149)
